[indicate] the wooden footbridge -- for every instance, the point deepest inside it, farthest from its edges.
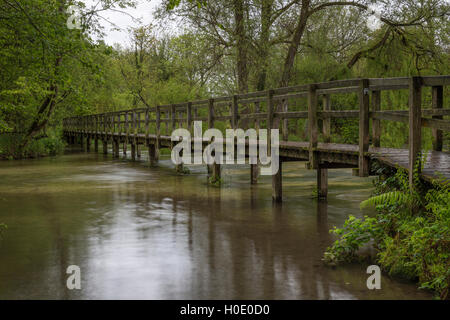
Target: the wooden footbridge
(152, 127)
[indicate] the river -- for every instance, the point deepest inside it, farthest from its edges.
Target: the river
(147, 233)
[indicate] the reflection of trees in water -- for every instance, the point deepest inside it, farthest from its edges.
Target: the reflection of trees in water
(240, 247)
(243, 248)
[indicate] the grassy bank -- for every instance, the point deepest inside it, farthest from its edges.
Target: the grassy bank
(410, 233)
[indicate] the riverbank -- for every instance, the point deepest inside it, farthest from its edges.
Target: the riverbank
(410, 233)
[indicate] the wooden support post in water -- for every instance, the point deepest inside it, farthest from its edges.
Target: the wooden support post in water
(116, 148)
(277, 185)
(133, 151)
(415, 125)
(214, 170)
(364, 138)
(88, 142)
(152, 158)
(437, 103)
(376, 124)
(326, 123)
(322, 182)
(313, 127)
(254, 168)
(173, 121)
(105, 146)
(322, 173)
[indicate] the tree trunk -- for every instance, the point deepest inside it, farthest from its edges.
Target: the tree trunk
(241, 46)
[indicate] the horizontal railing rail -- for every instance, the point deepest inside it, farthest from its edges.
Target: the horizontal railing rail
(270, 109)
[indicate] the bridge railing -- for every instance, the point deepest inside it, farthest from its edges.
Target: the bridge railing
(270, 109)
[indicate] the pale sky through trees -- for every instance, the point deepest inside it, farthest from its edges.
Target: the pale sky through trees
(143, 12)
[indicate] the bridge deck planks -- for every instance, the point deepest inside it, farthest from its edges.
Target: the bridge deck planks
(437, 164)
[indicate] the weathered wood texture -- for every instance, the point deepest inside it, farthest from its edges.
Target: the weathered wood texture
(144, 126)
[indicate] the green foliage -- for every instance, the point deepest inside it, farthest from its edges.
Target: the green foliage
(414, 244)
(390, 198)
(216, 182)
(352, 236)
(182, 170)
(50, 144)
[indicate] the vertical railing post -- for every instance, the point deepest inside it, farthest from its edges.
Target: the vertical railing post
(96, 134)
(127, 132)
(312, 127)
(285, 105)
(211, 113)
(257, 110)
(364, 138)
(138, 131)
(172, 117)
(415, 125)
(133, 131)
(326, 129)
(189, 116)
(104, 140)
(376, 124)
(147, 124)
(154, 149)
(88, 134)
(235, 112)
(437, 103)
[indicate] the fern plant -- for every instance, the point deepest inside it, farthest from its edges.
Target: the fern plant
(407, 196)
(414, 246)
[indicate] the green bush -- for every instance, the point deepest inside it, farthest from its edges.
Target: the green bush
(48, 145)
(410, 233)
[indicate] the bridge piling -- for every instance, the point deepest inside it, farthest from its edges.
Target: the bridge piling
(133, 151)
(152, 154)
(116, 127)
(88, 143)
(277, 185)
(214, 170)
(322, 183)
(116, 148)
(363, 162)
(96, 143)
(105, 146)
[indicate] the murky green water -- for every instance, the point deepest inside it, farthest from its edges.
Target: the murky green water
(146, 233)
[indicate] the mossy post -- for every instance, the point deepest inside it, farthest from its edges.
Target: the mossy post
(364, 138)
